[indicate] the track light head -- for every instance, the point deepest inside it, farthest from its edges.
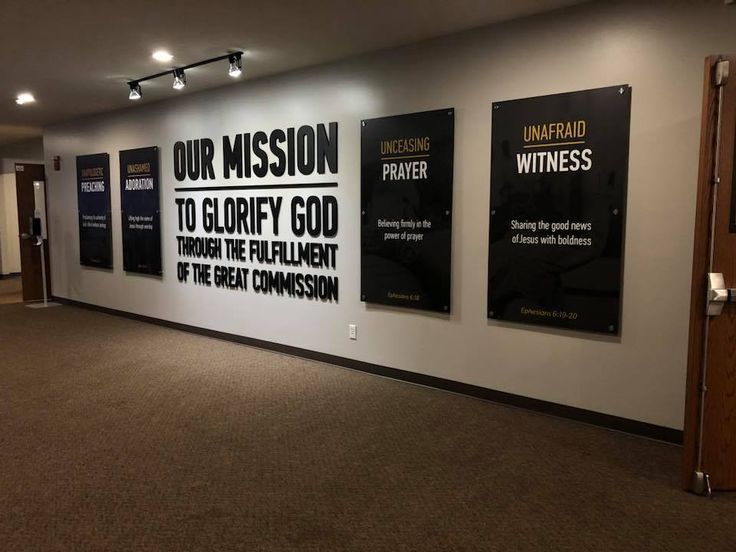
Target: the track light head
(236, 65)
(135, 91)
(235, 68)
(180, 79)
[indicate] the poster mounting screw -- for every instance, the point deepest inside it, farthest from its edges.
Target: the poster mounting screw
(449, 112)
(615, 211)
(621, 90)
(362, 297)
(493, 212)
(446, 307)
(362, 123)
(447, 212)
(490, 313)
(611, 328)
(362, 212)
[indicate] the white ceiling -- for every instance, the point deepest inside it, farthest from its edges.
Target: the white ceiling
(75, 56)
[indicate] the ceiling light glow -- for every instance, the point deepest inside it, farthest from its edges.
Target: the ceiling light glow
(25, 98)
(162, 55)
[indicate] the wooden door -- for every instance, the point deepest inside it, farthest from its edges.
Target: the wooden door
(710, 410)
(30, 254)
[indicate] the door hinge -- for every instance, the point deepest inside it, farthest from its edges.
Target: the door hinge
(721, 73)
(701, 483)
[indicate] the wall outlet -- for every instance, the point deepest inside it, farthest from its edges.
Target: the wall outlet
(353, 331)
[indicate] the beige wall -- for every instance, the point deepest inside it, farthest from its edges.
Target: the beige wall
(9, 245)
(657, 47)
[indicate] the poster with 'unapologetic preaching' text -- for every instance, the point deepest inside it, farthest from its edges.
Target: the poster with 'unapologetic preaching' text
(93, 201)
(559, 169)
(406, 209)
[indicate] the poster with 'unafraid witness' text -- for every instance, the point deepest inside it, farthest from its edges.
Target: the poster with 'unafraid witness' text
(559, 168)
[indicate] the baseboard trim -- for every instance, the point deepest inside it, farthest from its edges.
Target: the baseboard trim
(616, 423)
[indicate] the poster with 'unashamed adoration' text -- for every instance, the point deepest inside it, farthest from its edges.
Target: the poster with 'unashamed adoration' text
(141, 210)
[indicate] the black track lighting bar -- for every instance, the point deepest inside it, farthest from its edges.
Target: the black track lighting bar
(134, 82)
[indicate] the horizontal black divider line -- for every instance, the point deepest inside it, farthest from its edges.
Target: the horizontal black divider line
(257, 187)
(616, 423)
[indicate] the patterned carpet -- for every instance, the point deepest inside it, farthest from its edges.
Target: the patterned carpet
(117, 435)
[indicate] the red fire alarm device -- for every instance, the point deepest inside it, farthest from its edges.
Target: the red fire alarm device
(57, 163)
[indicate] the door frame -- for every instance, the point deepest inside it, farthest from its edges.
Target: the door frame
(701, 248)
(29, 294)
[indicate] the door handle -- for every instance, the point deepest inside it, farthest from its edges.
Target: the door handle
(718, 294)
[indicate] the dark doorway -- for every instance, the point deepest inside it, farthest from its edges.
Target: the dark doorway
(30, 254)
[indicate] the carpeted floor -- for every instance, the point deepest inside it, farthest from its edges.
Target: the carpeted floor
(11, 290)
(121, 436)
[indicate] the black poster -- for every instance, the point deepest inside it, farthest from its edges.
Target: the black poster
(406, 204)
(141, 211)
(559, 167)
(93, 198)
